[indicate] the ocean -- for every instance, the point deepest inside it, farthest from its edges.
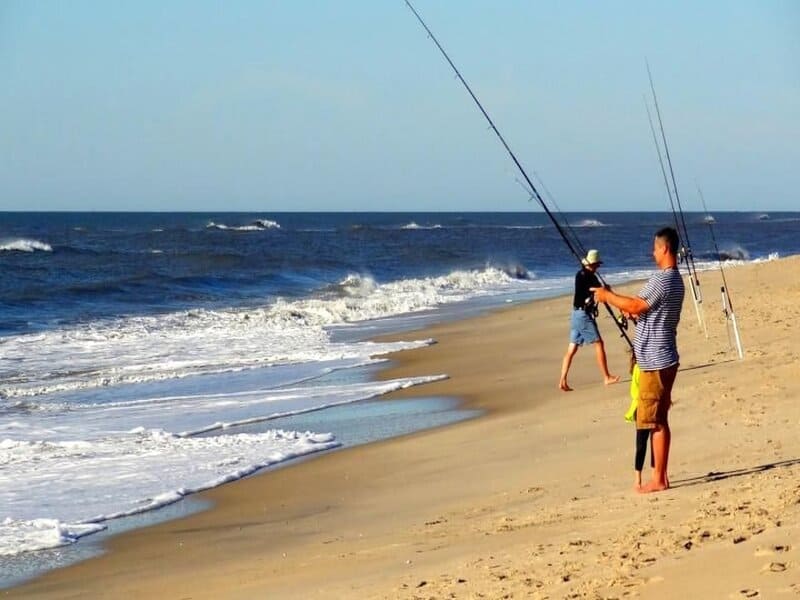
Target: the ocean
(148, 356)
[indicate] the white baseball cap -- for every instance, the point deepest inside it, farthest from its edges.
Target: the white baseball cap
(592, 258)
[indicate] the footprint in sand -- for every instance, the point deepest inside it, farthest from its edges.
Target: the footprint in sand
(777, 548)
(748, 593)
(774, 567)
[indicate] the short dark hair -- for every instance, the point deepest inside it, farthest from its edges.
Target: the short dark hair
(670, 237)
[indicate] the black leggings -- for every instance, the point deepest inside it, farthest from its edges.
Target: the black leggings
(642, 438)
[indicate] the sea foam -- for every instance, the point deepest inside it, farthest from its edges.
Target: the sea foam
(63, 472)
(24, 245)
(139, 349)
(141, 471)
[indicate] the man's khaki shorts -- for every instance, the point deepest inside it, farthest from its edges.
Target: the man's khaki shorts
(655, 397)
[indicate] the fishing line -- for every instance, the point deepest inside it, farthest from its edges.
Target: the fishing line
(552, 200)
(661, 163)
(620, 318)
(727, 304)
(683, 232)
(572, 247)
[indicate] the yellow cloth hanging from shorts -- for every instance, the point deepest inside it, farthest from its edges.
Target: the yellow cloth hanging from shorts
(630, 415)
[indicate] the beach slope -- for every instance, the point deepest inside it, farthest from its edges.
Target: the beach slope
(533, 499)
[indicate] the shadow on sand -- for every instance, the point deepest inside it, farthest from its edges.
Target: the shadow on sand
(707, 365)
(720, 475)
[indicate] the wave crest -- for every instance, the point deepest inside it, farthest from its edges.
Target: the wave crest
(257, 225)
(24, 245)
(181, 344)
(414, 225)
(734, 252)
(589, 223)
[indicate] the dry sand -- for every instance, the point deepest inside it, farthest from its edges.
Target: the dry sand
(532, 500)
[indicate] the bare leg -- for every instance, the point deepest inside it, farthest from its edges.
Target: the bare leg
(666, 457)
(565, 364)
(661, 440)
(600, 353)
(637, 484)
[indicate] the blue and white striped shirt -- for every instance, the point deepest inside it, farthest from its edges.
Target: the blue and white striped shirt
(655, 344)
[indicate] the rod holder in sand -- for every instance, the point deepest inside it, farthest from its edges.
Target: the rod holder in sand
(697, 298)
(730, 317)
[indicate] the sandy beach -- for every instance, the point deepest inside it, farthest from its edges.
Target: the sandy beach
(532, 500)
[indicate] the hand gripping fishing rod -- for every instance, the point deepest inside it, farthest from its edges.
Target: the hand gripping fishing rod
(530, 185)
(727, 305)
(686, 249)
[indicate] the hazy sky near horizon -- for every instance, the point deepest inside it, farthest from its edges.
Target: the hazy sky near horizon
(348, 106)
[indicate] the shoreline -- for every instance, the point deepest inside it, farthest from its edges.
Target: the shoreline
(416, 515)
(356, 424)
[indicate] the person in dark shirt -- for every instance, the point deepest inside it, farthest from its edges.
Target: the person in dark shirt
(583, 327)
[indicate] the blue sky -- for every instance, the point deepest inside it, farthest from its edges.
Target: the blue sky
(348, 106)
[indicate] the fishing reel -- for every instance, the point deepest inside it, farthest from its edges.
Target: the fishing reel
(590, 307)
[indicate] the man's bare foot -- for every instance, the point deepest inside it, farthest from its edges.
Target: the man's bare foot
(562, 385)
(653, 486)
(611, 379)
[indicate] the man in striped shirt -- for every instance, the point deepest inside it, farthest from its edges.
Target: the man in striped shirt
(657, 309)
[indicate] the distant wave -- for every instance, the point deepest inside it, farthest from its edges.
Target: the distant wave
(762, 217)
(413, 225)
(724, 255)
(589, 223)
(266, 224)
(520, 226)
(709, 219)
(24, 245)
(257, 225)
(734, 253)
(515, 271)
(732, 257)
(782, 220)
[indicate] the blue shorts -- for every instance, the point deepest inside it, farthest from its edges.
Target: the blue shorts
(582, 328)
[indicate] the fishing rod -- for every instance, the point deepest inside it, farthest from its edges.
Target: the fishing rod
(533, 190)
(675, 218)
(661, 163)
(727, 305)
(686, 249)
(620, 318)
(575, 241)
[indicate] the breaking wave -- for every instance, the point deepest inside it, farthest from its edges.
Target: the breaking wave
(257, 225)
(137, 349)
(413, 225)
(589, 223)
(24, 245)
